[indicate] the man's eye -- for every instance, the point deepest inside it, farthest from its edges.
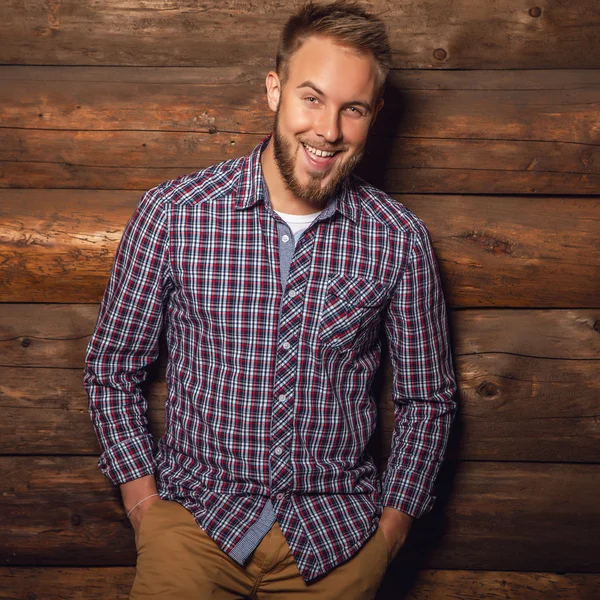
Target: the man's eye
(311, 100)
(354, 111)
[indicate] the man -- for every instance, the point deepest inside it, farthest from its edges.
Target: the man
(274, 275)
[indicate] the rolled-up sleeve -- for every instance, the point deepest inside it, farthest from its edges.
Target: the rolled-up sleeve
(125, 342)
(423, 381)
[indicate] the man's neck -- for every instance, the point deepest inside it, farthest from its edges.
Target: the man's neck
(281, 197)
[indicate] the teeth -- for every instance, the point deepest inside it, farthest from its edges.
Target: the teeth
(320, 153)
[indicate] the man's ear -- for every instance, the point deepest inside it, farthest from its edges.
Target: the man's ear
(273, 90)
(376, 111)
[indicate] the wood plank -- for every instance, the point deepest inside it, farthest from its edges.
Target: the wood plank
(476, 585)
(553, 334)
(526, 399)
(99, 583)
(491, 516)
(52, 335)
(528, 384)
(62, 244)
(58, 246)
(229, 99)
(496, 35)
(459, 131)
(515, 251)
(110, 160)
(142, 159)
(45, 412)
(58, 583)
(524, 105)
(513, 514)
(63, 511)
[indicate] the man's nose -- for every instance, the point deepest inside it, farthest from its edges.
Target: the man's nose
(328, 126)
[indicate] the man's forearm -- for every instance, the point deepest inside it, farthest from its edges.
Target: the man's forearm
(134, 492)
(395, 525)
(138, 496)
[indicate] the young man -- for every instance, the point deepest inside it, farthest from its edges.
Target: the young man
(274, 275)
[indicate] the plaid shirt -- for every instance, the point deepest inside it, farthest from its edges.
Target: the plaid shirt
(268, 388)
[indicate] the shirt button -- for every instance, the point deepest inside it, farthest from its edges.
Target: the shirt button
(281, 398)
(286, 345)
(279, 450)
(285, 238)
(279, 496)
(292, 293)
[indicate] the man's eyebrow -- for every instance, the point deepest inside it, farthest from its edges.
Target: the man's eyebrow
(310, 84)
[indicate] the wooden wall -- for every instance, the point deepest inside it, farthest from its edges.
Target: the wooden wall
(491, 134)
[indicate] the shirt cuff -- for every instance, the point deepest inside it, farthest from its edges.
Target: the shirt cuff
(402, 491)
(128, 460)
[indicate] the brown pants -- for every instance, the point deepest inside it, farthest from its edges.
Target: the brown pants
(177, 560)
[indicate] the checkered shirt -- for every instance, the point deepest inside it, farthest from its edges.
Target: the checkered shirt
(268, 388)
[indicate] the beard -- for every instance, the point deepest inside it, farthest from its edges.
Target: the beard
(312, 192)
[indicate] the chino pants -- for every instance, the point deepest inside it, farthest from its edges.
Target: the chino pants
(177, 560)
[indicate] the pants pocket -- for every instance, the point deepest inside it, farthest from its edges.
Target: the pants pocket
(146, 523)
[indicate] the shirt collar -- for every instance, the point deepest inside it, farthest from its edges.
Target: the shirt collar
(251, 188)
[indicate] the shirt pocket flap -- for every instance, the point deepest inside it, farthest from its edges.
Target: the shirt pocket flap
(358, 292)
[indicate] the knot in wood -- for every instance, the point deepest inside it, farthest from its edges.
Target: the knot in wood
(76, 520)
(25, 342)
(488, 242)
(596, 326)
(439, 54)
(488, 389)
(535, 12)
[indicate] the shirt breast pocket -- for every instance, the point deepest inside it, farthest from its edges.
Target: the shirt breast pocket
(352, 312)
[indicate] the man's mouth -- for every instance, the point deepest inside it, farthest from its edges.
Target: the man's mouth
(316, 152)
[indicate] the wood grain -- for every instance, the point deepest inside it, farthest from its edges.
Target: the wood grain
(486, 98)
(58, 246)
(526, 105)
(100, 583)
(46, 411)
(64, 583)
(450, 131)
(142, 159)
(528, 386)
(472, 34)
(50, 335)
(515, 251)
(527, 378)
(496, 516)
(475, 585)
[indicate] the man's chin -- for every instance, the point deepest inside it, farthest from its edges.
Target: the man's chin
(316, 184)
(310, 178)
(315, 193)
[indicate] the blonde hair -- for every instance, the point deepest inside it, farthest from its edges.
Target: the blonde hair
(344, 21)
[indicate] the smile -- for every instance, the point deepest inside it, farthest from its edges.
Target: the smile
(317, 152)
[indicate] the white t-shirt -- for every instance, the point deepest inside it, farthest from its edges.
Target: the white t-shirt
(298, 223)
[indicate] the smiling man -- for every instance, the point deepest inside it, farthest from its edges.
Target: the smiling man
(275, 277)
(322, 117)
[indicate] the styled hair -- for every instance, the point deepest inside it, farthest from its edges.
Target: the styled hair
(345, 22)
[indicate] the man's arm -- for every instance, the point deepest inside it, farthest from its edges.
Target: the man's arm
(124, 343)
(138, 496)
(423, 391)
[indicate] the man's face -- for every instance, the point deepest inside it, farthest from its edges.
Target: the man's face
(323, 114)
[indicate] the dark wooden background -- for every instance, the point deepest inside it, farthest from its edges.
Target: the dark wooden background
(491, 133)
